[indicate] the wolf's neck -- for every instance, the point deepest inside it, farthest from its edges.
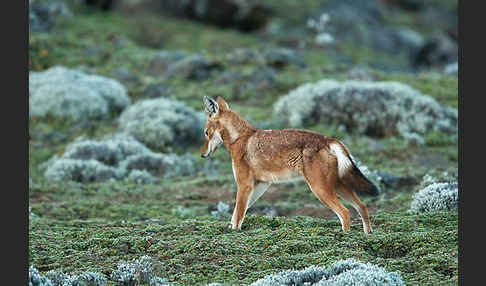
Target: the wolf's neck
(235, 127)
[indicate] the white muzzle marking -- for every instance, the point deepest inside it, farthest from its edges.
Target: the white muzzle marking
(213, 143)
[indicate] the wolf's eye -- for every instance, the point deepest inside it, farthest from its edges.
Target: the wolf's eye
(206, 132)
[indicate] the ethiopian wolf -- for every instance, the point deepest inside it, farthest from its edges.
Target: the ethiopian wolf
(262, 157)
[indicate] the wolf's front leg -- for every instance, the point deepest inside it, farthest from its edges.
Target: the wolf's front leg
(241, 206)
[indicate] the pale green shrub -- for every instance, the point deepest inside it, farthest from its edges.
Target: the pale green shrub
(36, 280)
(372, 108)
(347, 272)
(115, 158)
(436, 197)
(133, 273)
(161, 122)
(71, 94)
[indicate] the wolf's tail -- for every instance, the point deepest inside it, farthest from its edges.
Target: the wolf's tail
(349, 173)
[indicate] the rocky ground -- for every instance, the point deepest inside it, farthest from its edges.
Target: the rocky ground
(115, 130)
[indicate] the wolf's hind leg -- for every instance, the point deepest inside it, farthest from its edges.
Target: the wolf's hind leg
(322, 180)
(350, 196)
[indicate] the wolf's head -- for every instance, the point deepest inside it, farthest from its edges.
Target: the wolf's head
(213, 129)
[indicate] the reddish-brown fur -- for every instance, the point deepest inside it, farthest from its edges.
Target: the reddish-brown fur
(261, 157)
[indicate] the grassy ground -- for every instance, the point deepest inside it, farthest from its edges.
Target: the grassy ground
(92, 227)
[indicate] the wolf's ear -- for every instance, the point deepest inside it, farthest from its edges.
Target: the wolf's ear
(222, 104)
(210, 106)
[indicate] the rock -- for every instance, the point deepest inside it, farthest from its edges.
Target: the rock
(360, 21)
(70, 94)
(377, 109)
(196, 67)
(43, 15)
(161, 122)
(245, 15)
(258, 79)
(125, 76)
(244, 56)
(228, 77)
(161, 61)
(156, 90)
(437, 51)
(390, 181)
(386, 182)
(409, 39)
(261, 78)
(409, 5)
(281, 57)
(104, 5)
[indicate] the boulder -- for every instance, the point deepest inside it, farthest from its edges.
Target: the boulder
(196, 67)
(244, 15)
(438, 50)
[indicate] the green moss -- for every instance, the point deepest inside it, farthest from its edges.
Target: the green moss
(421, 248)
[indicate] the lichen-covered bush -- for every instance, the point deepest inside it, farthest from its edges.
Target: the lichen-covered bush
(133, 273)
(374, 108)
(60, 279)
(437, 196)
(70, 94)
(351, 272)
(342, 273)
(157, 281)
(83, 279)
(36, 280)
(160, 122)
(114, 158)
(137, 272)
(83, 171)
(308, 276)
